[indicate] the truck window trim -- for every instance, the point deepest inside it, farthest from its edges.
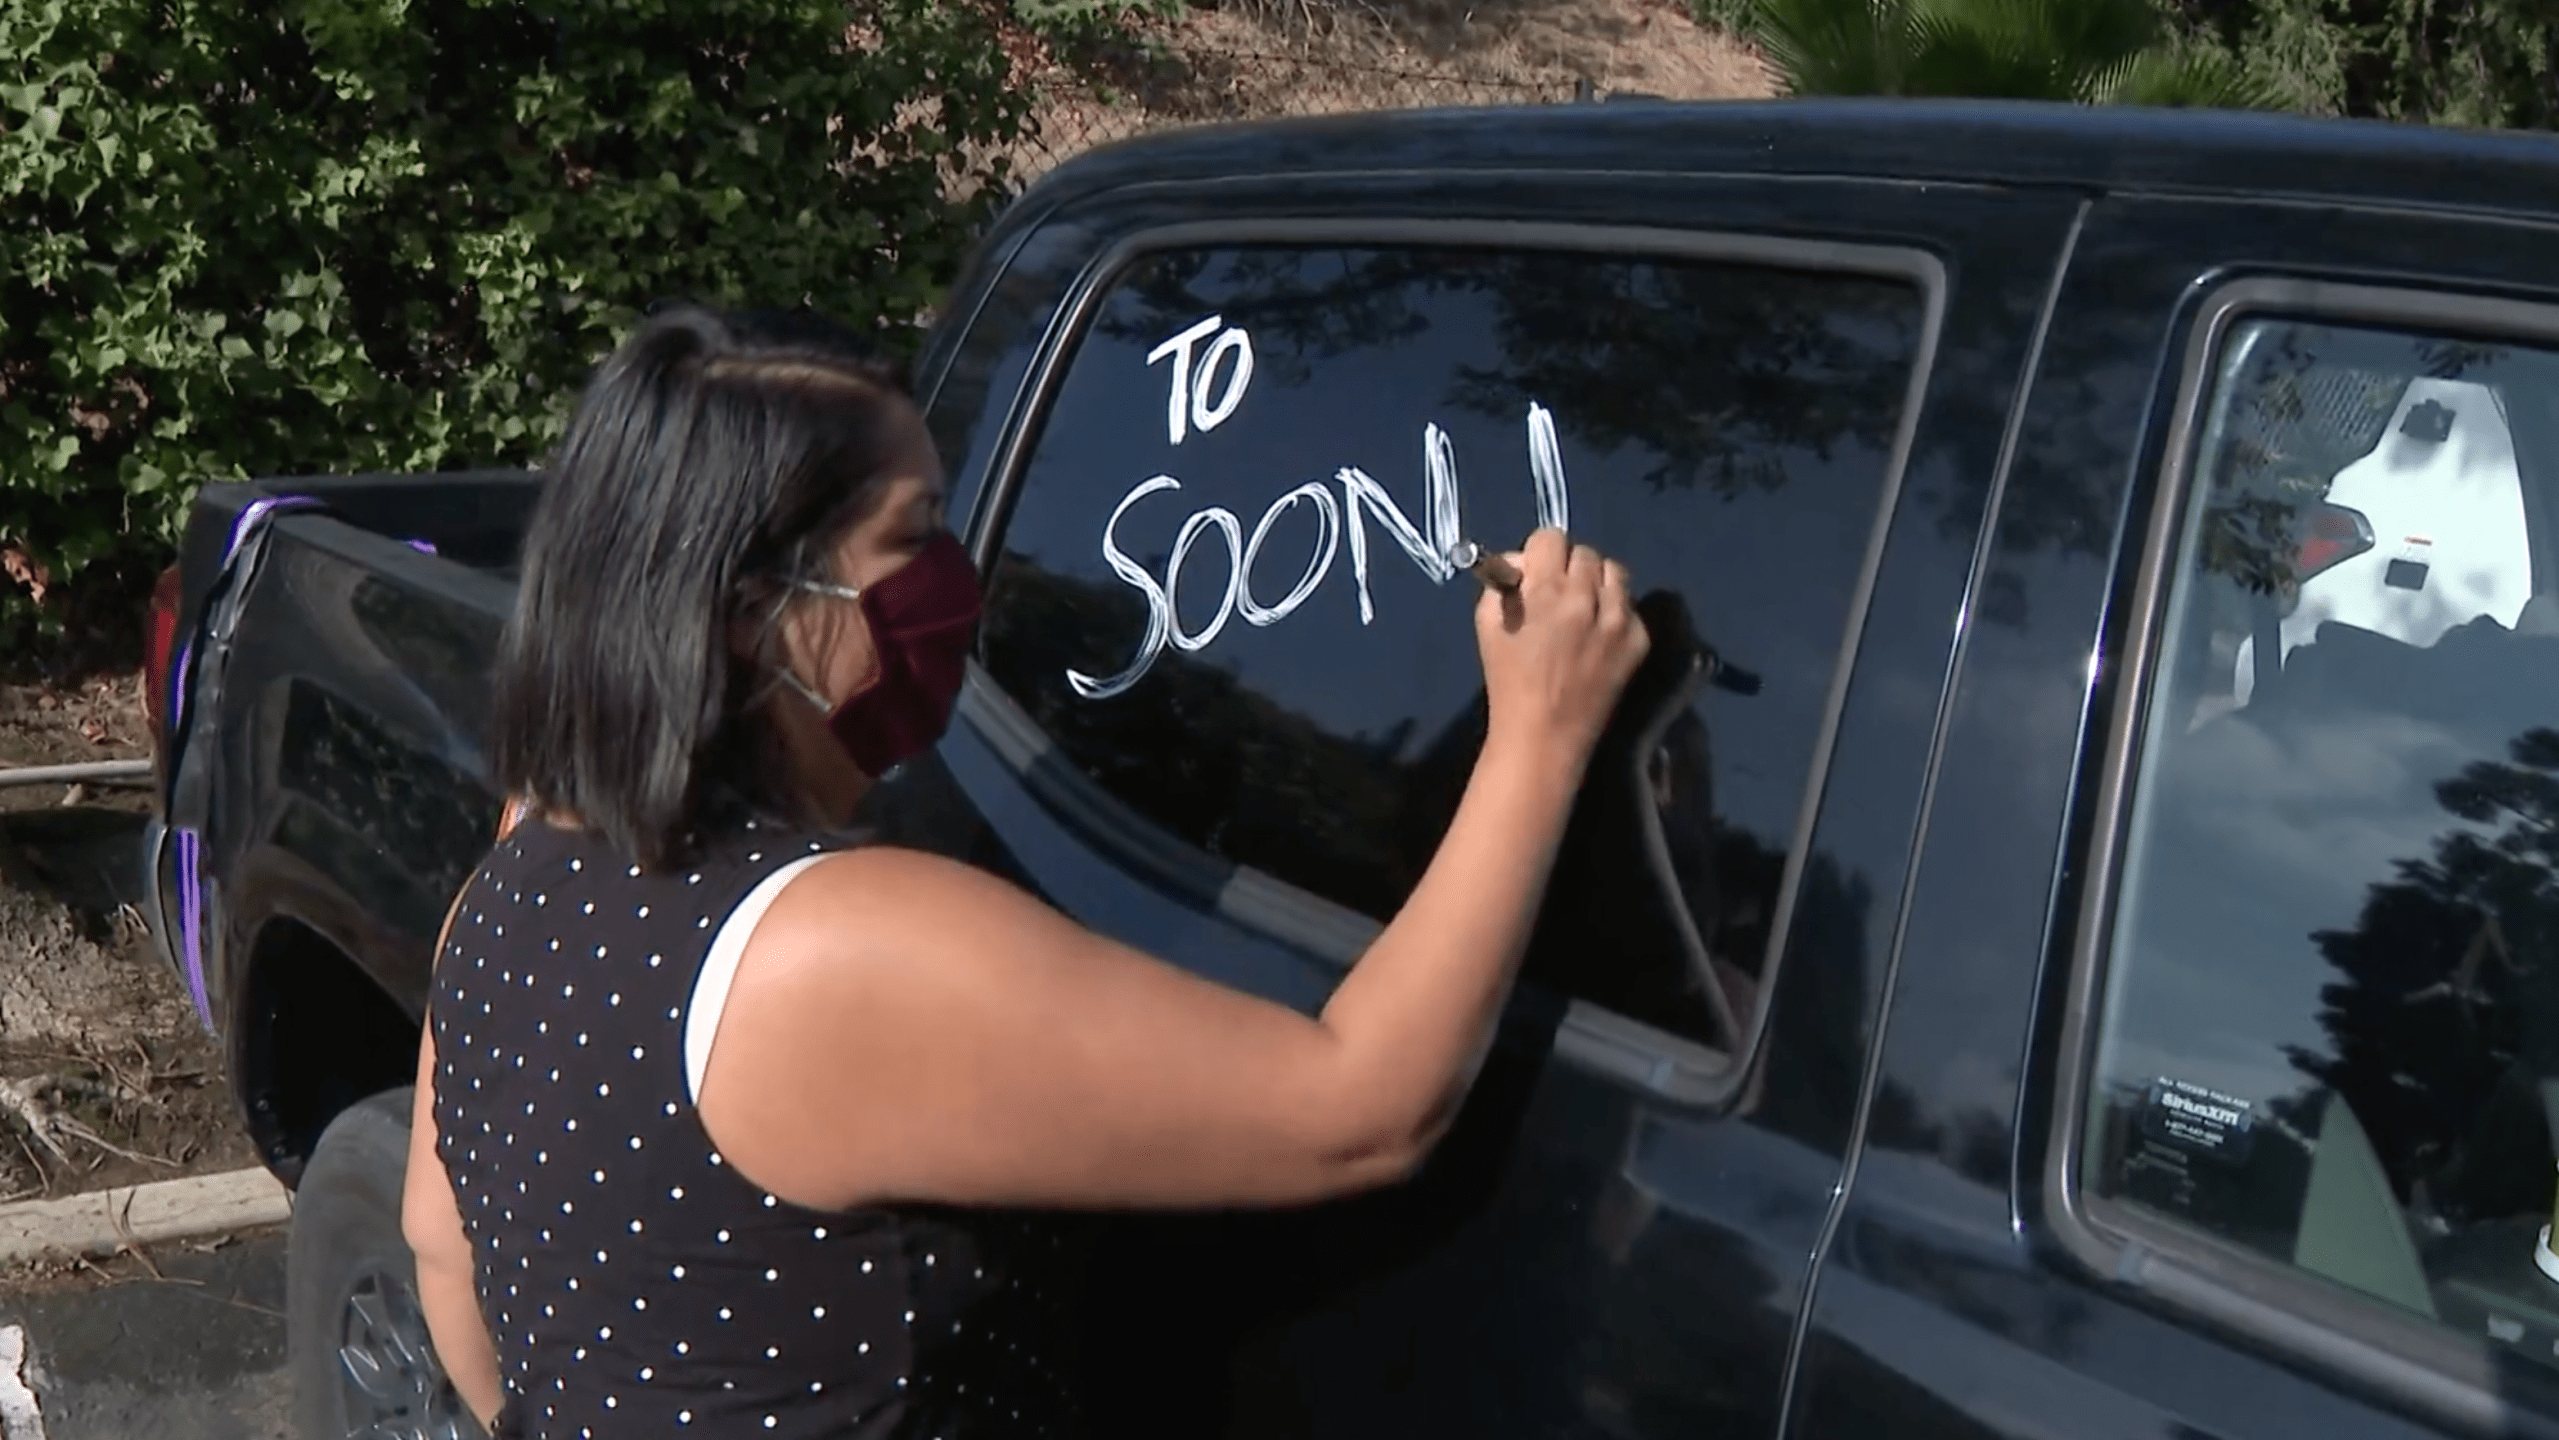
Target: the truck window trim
(1598, 1039)
(2419, 1366)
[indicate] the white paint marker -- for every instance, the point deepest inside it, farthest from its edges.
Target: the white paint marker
(1486, 566)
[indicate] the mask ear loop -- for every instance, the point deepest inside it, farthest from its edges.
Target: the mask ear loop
(832, 591)
(783, 674)
(828, 587)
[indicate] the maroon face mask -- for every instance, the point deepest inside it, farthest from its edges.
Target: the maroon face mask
(923, 623)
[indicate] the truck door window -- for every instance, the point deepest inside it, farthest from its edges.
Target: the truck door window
(2331, 1019)
(1222, 588)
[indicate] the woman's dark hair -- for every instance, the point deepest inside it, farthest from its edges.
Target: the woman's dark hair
(711, 458)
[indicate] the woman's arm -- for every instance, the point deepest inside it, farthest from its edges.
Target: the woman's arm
(431, 1221)
(907, 1028)
(447, 1293)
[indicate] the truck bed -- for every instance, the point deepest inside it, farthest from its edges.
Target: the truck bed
(327, 738)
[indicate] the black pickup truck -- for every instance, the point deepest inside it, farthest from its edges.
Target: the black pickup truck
(2062, 941)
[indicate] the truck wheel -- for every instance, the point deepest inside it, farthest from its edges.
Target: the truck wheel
(363, 1367)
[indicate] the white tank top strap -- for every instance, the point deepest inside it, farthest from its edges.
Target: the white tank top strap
(719, 970)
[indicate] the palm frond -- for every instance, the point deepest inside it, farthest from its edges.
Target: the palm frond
(1954, 57)
(2089, 36)
(2190, 75)
(2083, 51)
(2038, 49)
(1832, 47)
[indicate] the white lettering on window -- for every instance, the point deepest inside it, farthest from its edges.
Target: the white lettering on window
(1224, 520)
(1328, 520)
(1363, 500)
(1188, 404)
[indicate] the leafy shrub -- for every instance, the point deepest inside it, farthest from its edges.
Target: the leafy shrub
(2459, 62)
(1089, 19)
(361, 235)
(2491, 63)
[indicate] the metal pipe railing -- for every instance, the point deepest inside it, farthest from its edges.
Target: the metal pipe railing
(89, 772)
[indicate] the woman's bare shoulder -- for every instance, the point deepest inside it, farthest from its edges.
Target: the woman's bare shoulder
(878, 904)
(879, 877)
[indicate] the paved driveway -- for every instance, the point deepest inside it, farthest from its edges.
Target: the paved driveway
(197, 1356)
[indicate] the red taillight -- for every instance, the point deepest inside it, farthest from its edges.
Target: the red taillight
(2330, 535)
(160, 644)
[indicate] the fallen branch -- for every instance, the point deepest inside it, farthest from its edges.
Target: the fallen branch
(128, 1243)
(33, 1164)
(37, 1103)
(24, 1099)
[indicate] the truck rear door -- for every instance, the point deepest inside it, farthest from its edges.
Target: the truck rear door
(2227, 998)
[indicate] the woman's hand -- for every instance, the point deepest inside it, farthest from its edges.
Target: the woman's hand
(1559, 649)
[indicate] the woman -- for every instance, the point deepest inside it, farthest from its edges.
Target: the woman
(728, 1122)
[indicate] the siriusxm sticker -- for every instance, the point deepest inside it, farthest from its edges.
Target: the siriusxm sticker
(2197, 1119)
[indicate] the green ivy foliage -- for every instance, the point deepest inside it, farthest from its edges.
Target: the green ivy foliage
(392, 235)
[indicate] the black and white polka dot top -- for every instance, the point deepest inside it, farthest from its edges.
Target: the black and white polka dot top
(633, 1282)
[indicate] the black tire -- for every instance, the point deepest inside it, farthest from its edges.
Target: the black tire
(351, 1286)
